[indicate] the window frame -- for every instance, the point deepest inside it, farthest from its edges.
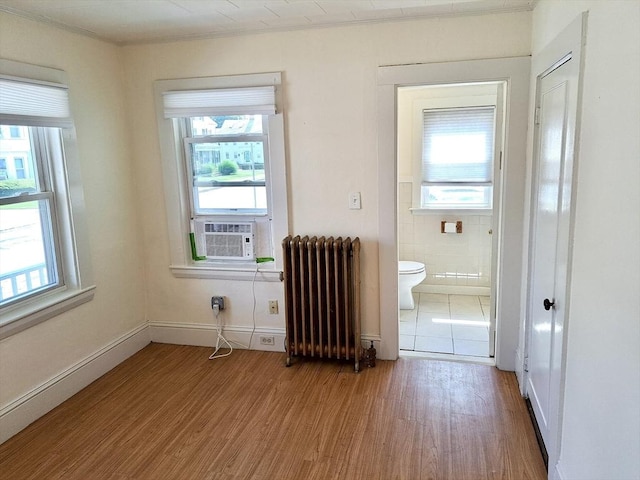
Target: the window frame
(62, 173)
(489, 94)
(171, 133)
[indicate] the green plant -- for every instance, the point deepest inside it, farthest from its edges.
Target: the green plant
(227, 167)
(206, 169)
(9, 188)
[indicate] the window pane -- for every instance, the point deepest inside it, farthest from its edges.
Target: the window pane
(227, 162)
(231, 198)
(226, 125)
(471, 197)
(26, 257)
(239, 165)
(18, 172)
(458, 145)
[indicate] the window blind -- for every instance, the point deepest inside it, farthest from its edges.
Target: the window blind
(458, 146)
(35, 104)
(223, 101)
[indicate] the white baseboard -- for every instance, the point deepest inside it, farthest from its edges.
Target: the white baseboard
(452, 289)
(202, 335)
(556, 473)
(26, 409)
(520, 371)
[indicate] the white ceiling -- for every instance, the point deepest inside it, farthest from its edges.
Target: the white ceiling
(138, 21)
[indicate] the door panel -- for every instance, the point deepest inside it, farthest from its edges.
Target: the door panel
(546, 267)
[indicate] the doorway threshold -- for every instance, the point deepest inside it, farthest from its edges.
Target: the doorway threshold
(449, 357)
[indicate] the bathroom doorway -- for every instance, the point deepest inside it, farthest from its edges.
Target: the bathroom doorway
(449, 148)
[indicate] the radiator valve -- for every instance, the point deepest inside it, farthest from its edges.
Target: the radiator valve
(370, 356)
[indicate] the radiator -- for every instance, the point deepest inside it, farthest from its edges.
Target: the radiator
(322, 298)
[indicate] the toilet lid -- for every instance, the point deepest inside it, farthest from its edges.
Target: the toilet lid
(407, 267)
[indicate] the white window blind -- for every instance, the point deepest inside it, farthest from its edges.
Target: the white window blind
(35, 104)
(458, 146)
(223, 101)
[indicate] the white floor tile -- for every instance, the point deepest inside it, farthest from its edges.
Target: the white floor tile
(408, 315)
(471, 319)
(407, 328)
(464, 300)
(463, 332)
(433, 329)
(407, 342)
(464, 309)
(446, 324)
(434, 344)
(434, 297)
(433, 307)
(471, 347)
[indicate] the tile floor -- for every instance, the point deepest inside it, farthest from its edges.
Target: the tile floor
(451, 324)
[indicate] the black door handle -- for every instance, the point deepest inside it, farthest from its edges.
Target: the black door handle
(547, 304)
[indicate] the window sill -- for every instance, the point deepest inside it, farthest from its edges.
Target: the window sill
(43, 308)
(451, 211)
(242, 273)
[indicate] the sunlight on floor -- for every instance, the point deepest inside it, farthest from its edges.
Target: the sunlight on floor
(446, 324)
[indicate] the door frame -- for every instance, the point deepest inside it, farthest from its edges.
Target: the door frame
(515, 71)
(569, 43)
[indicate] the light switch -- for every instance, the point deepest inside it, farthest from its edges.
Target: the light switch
(354, 201)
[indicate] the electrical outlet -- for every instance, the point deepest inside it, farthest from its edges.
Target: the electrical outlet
(273, 307)
(219, 301)
(267, 340)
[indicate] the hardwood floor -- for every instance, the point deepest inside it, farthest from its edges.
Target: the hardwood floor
(170, 413)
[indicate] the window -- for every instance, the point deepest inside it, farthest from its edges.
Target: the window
(28, 233)
(222, 144)
(18, 164)
(457, 158)
(39, 271)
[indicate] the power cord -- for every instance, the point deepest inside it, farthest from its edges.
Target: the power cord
(214, 355)
(253, 290)
(216, 313)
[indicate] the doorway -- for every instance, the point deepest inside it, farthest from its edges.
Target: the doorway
(515, 72)
(450, 141)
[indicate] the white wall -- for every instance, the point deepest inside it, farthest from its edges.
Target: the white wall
(601, 414)
(36, 356)
(330, 116)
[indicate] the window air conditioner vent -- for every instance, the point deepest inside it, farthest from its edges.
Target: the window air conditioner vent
(225, 241)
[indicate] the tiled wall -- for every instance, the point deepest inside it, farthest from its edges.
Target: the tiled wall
(452, 260)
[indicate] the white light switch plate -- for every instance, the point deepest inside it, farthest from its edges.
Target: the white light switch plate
(354, 201)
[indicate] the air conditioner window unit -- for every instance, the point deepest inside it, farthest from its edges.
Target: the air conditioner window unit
(225, 241)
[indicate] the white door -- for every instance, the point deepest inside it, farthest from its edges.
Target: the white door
(556, 113)
(551, 115)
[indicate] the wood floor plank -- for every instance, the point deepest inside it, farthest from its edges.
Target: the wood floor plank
(170, 413)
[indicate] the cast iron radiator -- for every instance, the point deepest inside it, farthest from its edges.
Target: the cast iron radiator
(322, 297)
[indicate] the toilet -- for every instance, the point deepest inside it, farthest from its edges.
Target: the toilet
(410, 274)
